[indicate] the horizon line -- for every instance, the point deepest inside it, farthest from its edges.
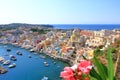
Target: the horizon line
(64, 23)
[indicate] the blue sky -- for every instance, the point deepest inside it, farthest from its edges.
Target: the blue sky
(60, 11)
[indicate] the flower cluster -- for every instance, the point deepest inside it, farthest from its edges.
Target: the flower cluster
(77, 72)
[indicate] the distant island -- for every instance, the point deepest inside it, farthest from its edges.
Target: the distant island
(16, 25)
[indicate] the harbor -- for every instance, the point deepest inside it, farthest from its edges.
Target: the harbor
(34, 68)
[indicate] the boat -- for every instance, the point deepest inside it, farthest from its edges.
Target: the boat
(12, 65)
(8, 49)
(54, 62)
(19, 53)
(12, 57)
(46, 64)
(42, 56)
(44, 78)
(2, 70)
(2, 59)
(7, 62)
(32, 50)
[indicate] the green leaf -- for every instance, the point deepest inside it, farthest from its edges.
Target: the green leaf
(84, 57)
(110, 66)
(92, 78)
(114, 78)
(100, 69)
(105, 69)
(94, 74)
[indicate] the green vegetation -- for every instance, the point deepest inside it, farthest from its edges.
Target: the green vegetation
(40, 31)
(101, 72)
(98, 52)
(7, 28)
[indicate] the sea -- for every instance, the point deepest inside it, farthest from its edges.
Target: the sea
(30, 68)
(87, 26)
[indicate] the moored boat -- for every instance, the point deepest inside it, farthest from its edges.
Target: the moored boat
(19, 53)
(46, 64)
(2, 70)
(2, 59)
(44, 78)
(12, 57)
(12, 65)
(32, 50)
(7, 62)
(8, 49)
(42, 56)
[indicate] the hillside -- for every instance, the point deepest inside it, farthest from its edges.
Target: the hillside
(16, 25)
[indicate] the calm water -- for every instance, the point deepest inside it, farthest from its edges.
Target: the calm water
(30, 68)
(87, 26)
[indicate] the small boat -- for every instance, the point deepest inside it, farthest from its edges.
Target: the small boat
(44, 78)
(8, 49)
(58, 66)
(54, 62)
(32, 50)
(19, 53)
(3, 70)
(12, 57)
(7, 62)
(2, 60)
(42, 56)
(12, 65)
(46, 64)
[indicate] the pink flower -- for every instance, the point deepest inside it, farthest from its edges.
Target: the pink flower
(84, 66)
(67, 74)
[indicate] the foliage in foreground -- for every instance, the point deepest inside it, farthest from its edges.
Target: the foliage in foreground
(85, 71)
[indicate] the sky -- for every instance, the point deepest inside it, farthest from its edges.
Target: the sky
(60, 11)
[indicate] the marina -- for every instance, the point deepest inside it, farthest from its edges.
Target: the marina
(25, 68)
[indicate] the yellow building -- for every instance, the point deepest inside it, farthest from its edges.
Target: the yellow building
(90, 54)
